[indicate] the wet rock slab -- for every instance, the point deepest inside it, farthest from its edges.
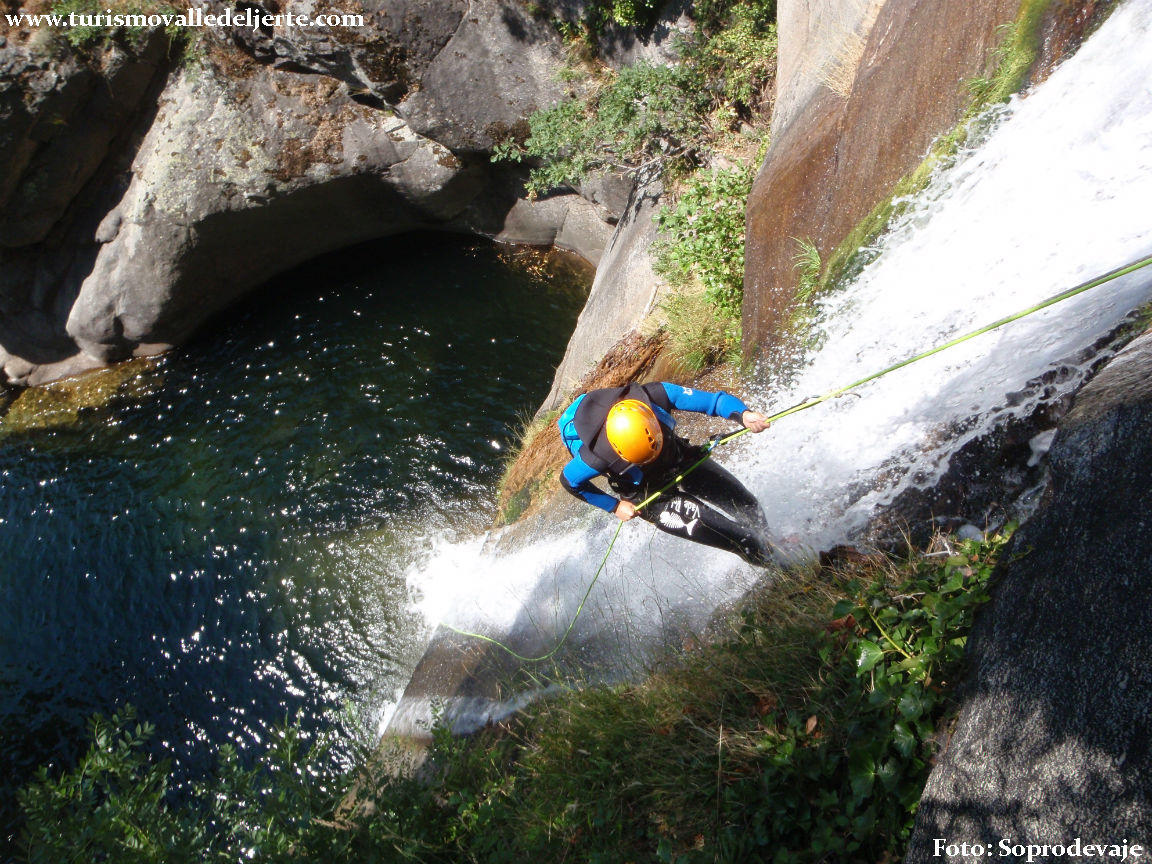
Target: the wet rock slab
(1052, 742)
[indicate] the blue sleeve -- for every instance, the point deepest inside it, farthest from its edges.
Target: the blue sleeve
(718, 404)
(577, 478)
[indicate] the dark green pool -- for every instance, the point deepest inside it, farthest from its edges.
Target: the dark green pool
(225, 543)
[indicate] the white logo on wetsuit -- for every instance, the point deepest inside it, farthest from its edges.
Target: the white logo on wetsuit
(680, 515)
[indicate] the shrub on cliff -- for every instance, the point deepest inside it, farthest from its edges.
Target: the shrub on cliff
(100, 31)
(701, 254)
(647, 119)
(643, 118)
(702, 236)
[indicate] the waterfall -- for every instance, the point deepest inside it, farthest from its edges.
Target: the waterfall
(1054, 192)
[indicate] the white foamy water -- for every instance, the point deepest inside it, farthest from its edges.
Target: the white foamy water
(1056, 194)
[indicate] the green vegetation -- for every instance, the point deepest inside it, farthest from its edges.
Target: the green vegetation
(644, 117)
(117, 805)
(1017, 51)
(517, 465)
(639, 15)
(803, 731)
(648, 118)
(85, 38)
(635, 13)
(669, 121)
(807, 264)
(735, 52)
(701, 254)
(807, 261)
(697, 336)
(703, 237)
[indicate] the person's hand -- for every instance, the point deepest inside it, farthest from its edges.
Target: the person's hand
(625, 510)
(754, 421)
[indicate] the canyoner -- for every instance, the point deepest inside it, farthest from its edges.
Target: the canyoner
(626, 434)
(636, 435)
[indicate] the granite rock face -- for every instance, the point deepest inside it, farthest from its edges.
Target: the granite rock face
(1052, 741)
(819, 48)
(622, 294)
(852, 120)
(143, 197)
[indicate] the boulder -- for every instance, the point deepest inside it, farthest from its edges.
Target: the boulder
(1052, 741)
(239, 180)
(499, 66)
(569, 222)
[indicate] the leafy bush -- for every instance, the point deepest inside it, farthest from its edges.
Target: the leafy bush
(704, 237)
(117, 805)
(644, 117)
(852, 790)
(648, 119)
(734, 48)
(713, 16)
(635, 13)
(110, 807)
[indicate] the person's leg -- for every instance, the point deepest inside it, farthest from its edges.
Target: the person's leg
(684, 515)
(717, 487)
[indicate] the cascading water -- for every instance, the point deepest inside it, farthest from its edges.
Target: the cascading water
(1055, 193)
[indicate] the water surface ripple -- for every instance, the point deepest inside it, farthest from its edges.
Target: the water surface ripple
(224, 543)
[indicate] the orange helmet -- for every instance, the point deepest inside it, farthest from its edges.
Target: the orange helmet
(634, 432)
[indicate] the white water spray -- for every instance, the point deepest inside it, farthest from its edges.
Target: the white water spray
(1056, 194)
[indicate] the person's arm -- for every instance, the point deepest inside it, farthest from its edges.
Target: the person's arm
(577, 478)
(715, 404)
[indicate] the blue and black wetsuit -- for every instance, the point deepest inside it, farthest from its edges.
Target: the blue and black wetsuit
(708, 506)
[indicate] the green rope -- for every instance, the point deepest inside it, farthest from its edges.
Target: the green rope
(571, 623)
(1051, 301)
(802, 406)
